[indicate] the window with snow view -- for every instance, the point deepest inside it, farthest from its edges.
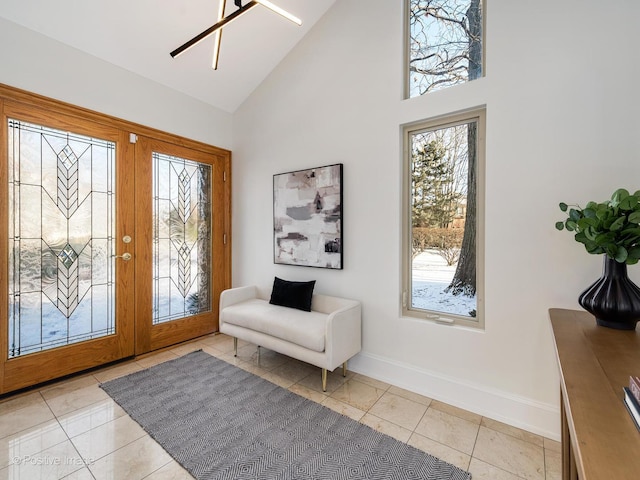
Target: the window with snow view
(445, 39)
(443, 212)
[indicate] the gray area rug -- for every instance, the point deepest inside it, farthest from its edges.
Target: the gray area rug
(221, 422)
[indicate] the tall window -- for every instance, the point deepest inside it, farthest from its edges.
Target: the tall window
(443, 209)
(445, 44)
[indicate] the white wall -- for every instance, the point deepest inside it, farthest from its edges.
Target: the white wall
(561, 97)
(38, 64)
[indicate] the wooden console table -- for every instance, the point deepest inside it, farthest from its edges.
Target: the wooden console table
(599, 439)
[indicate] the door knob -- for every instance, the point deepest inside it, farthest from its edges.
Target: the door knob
(125, 256)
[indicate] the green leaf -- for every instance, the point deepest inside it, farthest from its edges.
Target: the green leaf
(621, 255)
(590, 234)
(618, 196)
(631, 261)
(575, 215)
(628, 203)
(603, 212)
(582, 238)
(618, 224)
(634, 217)
(570, 225)
(587, 222)
(589, 212)
(630, 231)
(605, 239)
(563, 206)
(560, 225)
(591, 206)
(593, 248)
(634, 253)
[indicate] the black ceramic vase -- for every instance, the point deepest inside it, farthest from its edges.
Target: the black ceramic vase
(614, 299)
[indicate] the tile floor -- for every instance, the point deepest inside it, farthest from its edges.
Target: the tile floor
(72, 429)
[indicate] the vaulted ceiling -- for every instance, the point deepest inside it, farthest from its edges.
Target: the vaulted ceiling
(138, 35)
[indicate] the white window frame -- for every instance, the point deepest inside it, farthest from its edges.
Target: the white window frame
(478, 115)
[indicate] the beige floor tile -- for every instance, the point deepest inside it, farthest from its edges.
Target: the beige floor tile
(552, 465)
(552, 445)
(248, 366)
(334, 380)
(82, 397)
(344, 409)
(268, 358)
(24, 418)
(371, 381)
(509, 453)
(82, 474)
(386, 427)
(53, 463)
(237, 361)
(156, 358)
(513, 431)
(448, 454)
(295, 371)
(277, 379)
(222, 343)
(414, 397)
(449, 430)
(107, 438)
(65, 386)
(399, 410)
(20, 401)
(117, 371)
(358, 394)
(458, 412)
(134, 461)
(185, 348)
(28, 442)
(483, 471)
(213, 352)
(303, 391)
(84, 419)
(171, 471)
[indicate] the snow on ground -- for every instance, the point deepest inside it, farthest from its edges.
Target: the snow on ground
(430, 276)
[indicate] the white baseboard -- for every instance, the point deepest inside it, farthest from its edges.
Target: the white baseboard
(530, 415)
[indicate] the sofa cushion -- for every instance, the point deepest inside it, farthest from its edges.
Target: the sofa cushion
(292, 294)
(306, 329)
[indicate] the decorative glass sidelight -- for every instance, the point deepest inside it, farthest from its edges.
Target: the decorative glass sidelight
(61, 238)
(181, 238)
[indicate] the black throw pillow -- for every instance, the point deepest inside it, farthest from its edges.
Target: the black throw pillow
(292, 294)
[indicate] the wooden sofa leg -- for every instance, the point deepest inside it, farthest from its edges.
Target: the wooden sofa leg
(324, 379)
(235, 346)
(344, 369)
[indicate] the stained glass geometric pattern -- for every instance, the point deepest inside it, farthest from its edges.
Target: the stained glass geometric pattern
(181, 237)
(61, 238)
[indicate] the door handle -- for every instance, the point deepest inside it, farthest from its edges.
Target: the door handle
(126, 256)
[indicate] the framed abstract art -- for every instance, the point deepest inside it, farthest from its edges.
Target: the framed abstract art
(307, 217)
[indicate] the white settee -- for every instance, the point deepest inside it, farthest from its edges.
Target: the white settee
(327, 336)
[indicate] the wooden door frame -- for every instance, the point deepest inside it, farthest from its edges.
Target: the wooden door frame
(65, 363)
(151, 337)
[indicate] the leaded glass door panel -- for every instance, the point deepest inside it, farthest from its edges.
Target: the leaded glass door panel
(180, 242)
(67, 208)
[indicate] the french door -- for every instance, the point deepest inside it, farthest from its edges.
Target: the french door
(180, 222)
(112, 243)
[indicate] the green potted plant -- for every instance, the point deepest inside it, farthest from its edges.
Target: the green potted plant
(611, 228)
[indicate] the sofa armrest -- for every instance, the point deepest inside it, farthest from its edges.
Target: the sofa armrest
(344, 334)
(236, 295)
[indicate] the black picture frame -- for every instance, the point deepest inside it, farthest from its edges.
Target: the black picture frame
(307, 217)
